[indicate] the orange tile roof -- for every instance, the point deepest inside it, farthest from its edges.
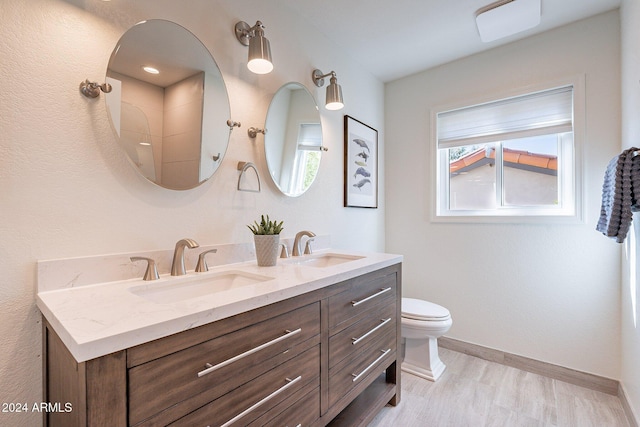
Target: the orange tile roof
(515, 157)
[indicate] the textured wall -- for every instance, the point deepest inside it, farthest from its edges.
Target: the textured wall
(546, 291)
(67, 190)
(630, 32)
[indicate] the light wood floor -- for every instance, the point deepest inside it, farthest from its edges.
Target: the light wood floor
(474, 392)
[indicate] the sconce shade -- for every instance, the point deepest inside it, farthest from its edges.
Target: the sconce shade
(260, 55)
(259, 61)
(333, 100)
(334, 95)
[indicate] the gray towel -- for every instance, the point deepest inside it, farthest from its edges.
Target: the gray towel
(619, 199)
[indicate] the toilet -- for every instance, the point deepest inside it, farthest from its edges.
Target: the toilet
(422, 323)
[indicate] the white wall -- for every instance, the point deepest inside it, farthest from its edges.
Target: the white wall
(549, 292)
(67, 190)
(630, 32)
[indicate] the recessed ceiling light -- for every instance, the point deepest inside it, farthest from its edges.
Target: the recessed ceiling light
(151, 70)
(507, 17)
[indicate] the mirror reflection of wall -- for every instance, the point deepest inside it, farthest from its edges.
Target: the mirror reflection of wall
(182, 132)
(140, 120)
(171, 122)
(293, 140)
(137, 140)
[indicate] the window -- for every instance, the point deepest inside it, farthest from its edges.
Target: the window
(307, 159)
(512, 157)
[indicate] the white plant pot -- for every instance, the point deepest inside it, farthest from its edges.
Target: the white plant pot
(267, 249)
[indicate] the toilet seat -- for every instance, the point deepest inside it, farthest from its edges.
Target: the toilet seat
(423, 310)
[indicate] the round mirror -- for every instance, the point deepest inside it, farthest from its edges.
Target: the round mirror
(168, 105)
(293, 139)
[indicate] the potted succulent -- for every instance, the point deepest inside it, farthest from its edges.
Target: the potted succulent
(266, 237)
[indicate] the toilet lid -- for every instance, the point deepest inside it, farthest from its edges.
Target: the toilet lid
(423, 310)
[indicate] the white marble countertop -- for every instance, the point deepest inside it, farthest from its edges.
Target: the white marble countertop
(95, 320)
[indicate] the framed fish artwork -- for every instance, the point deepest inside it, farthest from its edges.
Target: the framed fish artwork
(360, 164)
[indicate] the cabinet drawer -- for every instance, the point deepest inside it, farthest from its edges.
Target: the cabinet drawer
(252, 400)
(359, 335)
(368, 365)
(212, 368)
(361, 295)
(303, 412)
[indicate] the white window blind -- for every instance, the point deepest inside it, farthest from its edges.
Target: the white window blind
(539, 113)
(310, 136)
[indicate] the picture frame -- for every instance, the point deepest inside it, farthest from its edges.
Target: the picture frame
(360, 164)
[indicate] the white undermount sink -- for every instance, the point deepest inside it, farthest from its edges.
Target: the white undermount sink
(184, 288)
(324, 260)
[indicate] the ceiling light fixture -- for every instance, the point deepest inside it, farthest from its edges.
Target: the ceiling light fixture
(507, 17)
(333, 100)
(151, 70)
(259, 48)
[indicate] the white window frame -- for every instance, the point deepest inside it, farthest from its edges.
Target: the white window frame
(571, 212)
(304, 145)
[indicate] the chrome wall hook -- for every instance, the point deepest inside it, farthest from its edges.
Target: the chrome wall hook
(92, 89)
(253, 132)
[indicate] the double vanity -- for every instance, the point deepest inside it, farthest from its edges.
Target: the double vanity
(312, 341)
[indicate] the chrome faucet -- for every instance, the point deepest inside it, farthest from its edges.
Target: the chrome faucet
(177, 266)
(296, 243)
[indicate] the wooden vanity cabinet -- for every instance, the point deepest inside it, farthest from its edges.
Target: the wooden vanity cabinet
(363, 347)
(324, 357)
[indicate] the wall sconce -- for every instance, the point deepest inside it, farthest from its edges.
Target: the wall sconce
(334, 91)
(259, 48)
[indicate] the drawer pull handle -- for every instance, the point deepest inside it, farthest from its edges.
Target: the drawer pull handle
(382, 291)
(290, 382)
(211, 368)
(384, 322)
(384, 353)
